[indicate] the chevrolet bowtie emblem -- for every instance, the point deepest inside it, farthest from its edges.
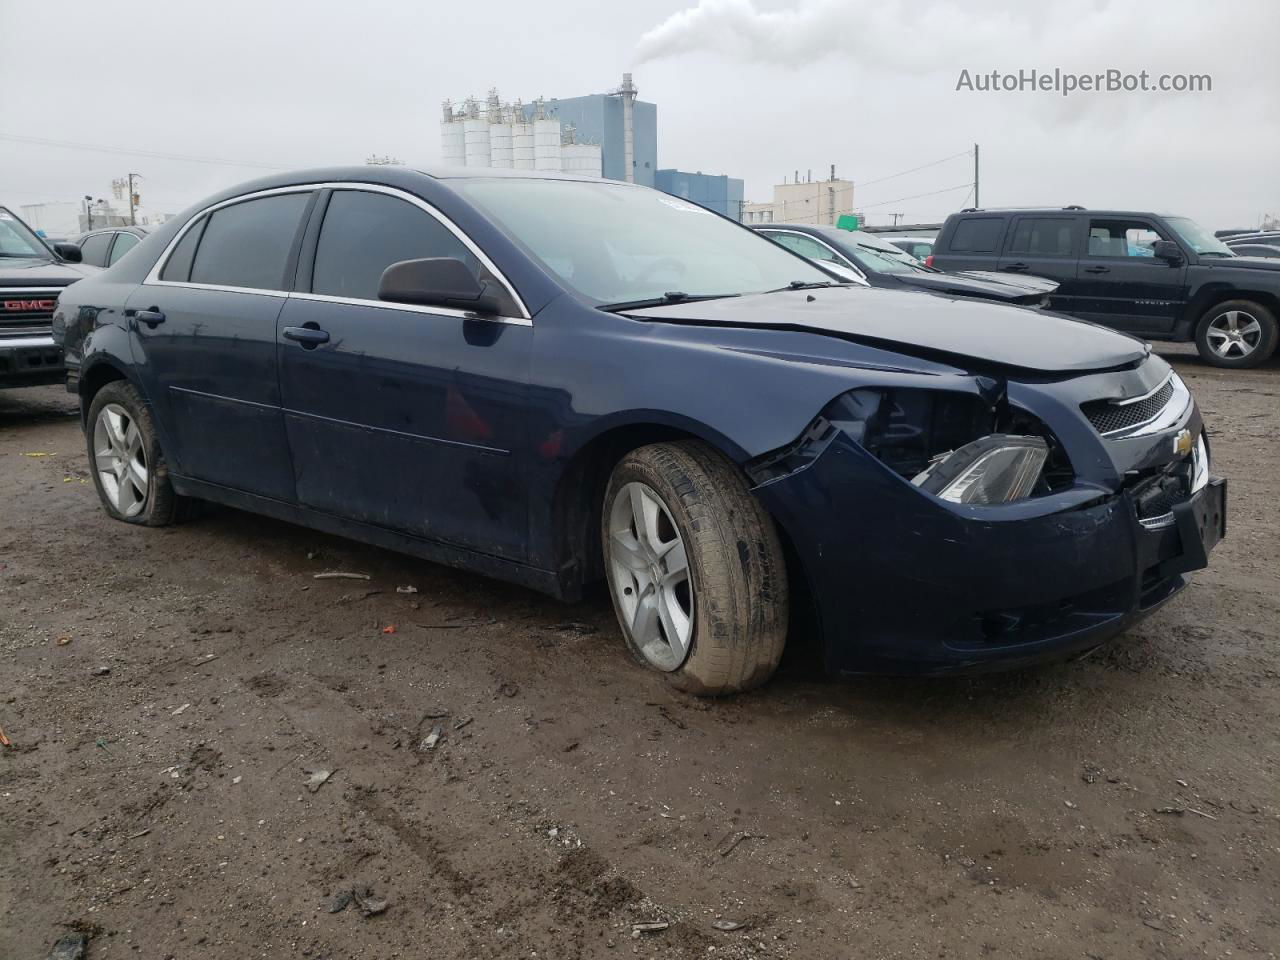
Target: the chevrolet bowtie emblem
(1182, 443)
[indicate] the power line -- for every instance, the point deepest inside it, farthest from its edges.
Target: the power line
(155, 155)
(916, 196)
(892, 176)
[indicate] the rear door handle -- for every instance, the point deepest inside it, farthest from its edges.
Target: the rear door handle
(308, 336)
(1097, 269)
(150, 317)
(1015, 267)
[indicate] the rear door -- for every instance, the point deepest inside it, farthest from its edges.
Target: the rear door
(412, 418)
(1045, 246)
(970, 242)
(1121, 284)
(204, 328)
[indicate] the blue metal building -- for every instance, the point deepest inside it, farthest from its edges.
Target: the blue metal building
(598, 119)
(723, 194)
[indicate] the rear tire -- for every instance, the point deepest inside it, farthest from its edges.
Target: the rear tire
(126, 462)
(703, 567)
(1237, 334)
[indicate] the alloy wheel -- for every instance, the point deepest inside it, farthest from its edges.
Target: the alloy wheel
(120, 458)
(649, 569)
(1233, 334)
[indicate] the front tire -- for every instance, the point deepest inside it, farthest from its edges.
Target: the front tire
(695, 568)
(128, 467)
(1237, 333)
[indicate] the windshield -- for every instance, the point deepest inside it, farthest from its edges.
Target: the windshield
(17, 241)
(879, 258)
(1198, 238)
(615, 243)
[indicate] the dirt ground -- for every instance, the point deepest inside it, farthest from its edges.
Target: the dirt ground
(155, 795)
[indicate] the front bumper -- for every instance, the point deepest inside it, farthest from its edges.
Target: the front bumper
(903, 583)
(29, 361)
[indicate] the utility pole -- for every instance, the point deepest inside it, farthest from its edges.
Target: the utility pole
(976, 201)
(896, 217)
(133, 200)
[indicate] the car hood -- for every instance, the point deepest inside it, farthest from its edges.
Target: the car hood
(918, 325)
(36, 271)
(972, 284)
(1037, 285)
(1242, 263)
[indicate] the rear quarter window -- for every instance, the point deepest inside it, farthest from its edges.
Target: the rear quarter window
(977, 235)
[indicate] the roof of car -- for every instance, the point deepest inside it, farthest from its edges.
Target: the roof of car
(989, 211)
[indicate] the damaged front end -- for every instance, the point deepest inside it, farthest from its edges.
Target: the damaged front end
(991, 523)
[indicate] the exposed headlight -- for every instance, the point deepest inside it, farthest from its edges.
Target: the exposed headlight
(993, 469)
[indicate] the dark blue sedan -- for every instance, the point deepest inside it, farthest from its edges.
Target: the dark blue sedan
(556, 381)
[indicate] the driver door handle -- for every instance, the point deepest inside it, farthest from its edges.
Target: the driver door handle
(309, 336)
(1097, 269)
(1015, 267)
(150, 317)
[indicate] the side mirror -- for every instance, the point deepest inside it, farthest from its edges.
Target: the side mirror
(1166, 250)
(69, 252)
(436, 282)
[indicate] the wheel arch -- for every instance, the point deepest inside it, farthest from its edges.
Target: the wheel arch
(1211, 295)
(96, 374)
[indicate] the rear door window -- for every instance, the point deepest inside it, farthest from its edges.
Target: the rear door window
(806, 247)
(1043, 237)
(248, 244)
(977, 235)
(94, 249)
(178, 268)
(364, 233)
(124, 243)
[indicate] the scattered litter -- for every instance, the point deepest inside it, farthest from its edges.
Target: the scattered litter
(63, 641)
(1201, 813)
(140, 833)
(1182, 783)
(340, 575)
(236, 780)
(731, 841)
(431, 739)
(4, 741)
(102, 672)
(389, 628)
(73, 945)
(362, 897)
(201, 661)
(1090, 773)
(728, 925)
(181, 709)
(318, 779)
(653, 926)
(1069, 804)
(39, 453)
(406, 589)
(1176, 811)
(462, 723)
(101, 744)
(508, 689)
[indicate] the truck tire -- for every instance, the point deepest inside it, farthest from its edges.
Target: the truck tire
(1236, 333)
(695, 568)
(126, 462)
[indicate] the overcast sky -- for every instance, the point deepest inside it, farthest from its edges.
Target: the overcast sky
(753, 89)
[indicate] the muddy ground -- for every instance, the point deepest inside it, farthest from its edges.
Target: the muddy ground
(162, 807)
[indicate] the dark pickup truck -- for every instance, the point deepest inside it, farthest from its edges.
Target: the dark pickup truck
(1157, 277)
(32, 274)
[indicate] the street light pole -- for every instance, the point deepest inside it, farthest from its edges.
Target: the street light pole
(976, 201)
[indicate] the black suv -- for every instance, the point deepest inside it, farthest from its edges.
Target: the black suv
(31, 276)
(1159, 277)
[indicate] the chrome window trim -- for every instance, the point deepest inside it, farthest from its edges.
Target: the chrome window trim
(152, 279)
(849, 265)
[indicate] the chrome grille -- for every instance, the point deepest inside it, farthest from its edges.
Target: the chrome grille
(26, 312)
(1110, 416)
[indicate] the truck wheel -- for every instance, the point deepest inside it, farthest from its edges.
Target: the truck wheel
(695, 567)
(1237, 333)
(125, 459)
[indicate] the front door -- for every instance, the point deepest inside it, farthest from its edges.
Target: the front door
(410, 418)
(204, 329)
(1121, 283)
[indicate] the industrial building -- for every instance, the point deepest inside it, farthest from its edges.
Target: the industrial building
(804, 201)
(722, 194)
(611, 134)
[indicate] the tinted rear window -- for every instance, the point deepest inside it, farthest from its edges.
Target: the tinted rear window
(247, 244)
(178, 268)
(977, 235)
(1042, 236)
(94, 249)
